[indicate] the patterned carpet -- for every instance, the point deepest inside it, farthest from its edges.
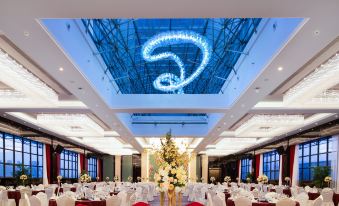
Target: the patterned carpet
(156, 201)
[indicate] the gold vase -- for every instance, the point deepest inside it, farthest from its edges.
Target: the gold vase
(171, 197)
(162, 198)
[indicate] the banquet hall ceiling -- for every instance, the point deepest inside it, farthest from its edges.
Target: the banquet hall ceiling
(119, 43)
(62, 85)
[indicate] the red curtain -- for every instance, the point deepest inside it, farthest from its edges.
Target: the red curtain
(57, 157)
(292, 152)
(48, 162)
(257, 165)
(82, 161)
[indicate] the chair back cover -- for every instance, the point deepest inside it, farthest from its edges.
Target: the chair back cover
(327, 194)
(43, 198)
(34, 201)
(25, 191)
(65, 201)
(217, 201)
(286, 202)
(302, 198)
(113, 201)
(317, 202)
(209, 200)
(49, 192)
(242, 201)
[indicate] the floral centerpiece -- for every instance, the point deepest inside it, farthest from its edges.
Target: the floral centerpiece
(212, 179)
(85, 178)
(97, 178)
(107, 180)
(139, 179)
(202, 179)
(129, 179)
(23, 178)
(263, 179)
(248, 180)
(227, 179)
(116, 178)
(172, 164)
(328, 180)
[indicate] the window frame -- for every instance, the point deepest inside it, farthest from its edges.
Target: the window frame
(307, 150)
(17, 150)
(69, 158)
(271, 159)
(246, 168)
(92, 166)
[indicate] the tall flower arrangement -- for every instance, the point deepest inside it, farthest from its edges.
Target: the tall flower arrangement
(172, 172)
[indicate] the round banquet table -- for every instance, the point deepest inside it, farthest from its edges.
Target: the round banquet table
(15, 194)
(83, 202)
(230, 202)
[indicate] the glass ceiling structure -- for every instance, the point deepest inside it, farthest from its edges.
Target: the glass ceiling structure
(120, 41)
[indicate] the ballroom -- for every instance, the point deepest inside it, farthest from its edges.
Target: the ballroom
(169, 103)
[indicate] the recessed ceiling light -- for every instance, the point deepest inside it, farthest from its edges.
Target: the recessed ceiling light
(225, 123)
(300, 129)
(257, 89)
(231, 116)
(26, 33)
(280, 68)
(61, 69)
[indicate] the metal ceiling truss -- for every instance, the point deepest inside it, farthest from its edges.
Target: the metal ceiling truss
(119, 43)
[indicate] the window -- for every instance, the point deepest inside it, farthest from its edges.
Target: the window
(16, 151)
(69, 164)
(92, 167)
(246, 165)
(271, 165)
(312, 154)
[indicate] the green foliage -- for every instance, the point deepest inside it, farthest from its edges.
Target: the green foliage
(23, 171)
(250, 175)
(319, 174)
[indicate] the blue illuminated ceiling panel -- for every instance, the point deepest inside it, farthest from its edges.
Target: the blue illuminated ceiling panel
(120, 42)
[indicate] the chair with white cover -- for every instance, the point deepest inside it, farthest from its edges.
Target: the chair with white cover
(34, 201)
(222, 197)
(66, 189)
(286, 202)
(122, 195)
(24, 201)
(294, 192)
(302, 198)
(25, 191)
(4, 201)
(279, 190)
(132, 199)
(218, 201)
(316, 202)
(113, 201)
(209, 200)
(50, 192)
(327, 194)
(65, 201)
(307, 188)
(43, 198)
(242, 201)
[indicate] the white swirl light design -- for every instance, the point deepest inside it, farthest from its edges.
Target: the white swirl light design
(169, 82)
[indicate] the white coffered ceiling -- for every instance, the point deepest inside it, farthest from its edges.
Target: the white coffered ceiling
(43, 87)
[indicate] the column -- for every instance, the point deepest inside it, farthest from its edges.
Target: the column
(192, 173)
(204, 166)
(144, 165)
(118, 166)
